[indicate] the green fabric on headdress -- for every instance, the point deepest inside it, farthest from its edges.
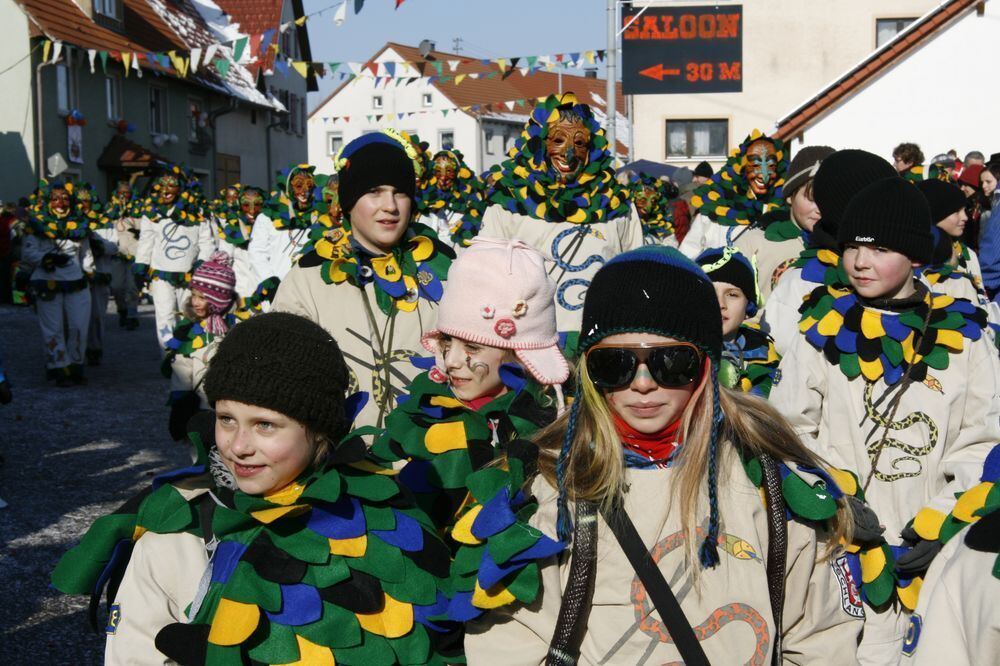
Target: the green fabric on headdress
(116, 209)
(465, 197)
(280, 206)
(749, 361)
(727, 198)
(188, 210)
(659, 220)
(527, 185)
(233, 221)
(41, 221)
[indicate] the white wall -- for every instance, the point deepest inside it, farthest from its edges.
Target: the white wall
(939, 97)
(791, 49)
(355, 100)
(17, 135)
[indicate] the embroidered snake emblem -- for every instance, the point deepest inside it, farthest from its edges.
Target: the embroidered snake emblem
(719, 618)
(911, 452)
(176, 241)
(567, 266)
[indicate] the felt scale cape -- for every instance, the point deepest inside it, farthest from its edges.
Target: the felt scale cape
(659, 222)
(749, 361)
(337, 567)
(526, 184)
(727, 198)
(189, 208)
(280, 206)
(465, 197)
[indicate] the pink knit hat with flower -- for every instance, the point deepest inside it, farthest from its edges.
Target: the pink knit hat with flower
(499, 295)
(215, 280)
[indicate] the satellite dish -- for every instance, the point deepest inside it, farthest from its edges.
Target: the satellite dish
(56, 164)
(426, 46)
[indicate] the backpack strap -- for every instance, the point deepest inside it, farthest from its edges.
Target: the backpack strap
(777, 546)
(577, 600)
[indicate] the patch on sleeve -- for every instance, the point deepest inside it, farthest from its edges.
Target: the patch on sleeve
(912, 635)
(114, 619)
(776, 378)
(850, 596)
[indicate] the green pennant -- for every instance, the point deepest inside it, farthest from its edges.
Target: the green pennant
(103, 55)
(238, 48)
(222, 66)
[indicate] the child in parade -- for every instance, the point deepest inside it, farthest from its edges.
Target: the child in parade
(375, 282)
(281, 545)
(208, 317)
(103, 245)
(749, 359)
(658, 461)
(174, 235)
(120, 213)
(57, 252)
(894, 382)
(839, 177)
(495, 355)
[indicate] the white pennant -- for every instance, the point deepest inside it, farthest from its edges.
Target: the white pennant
(91, 54)
(340, 15)
(195, 57)
(453, 65)
(135, 64)
(56, 51)
(210, 53)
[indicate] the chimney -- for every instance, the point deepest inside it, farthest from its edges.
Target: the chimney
(426, 46)
(590, 73)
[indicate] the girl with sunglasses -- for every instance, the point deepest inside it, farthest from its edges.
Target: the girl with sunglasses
(495, 359)
(653, 443)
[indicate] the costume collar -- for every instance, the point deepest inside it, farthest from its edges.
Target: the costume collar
(657, 448)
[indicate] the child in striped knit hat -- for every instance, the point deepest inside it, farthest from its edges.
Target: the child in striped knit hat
(209, 315)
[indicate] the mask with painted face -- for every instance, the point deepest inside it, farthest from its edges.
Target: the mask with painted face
(59, 202)
(232, 196)
(761, 170)
(645, 201)
(170, 189)
(251, 204)
(302, 185)
(567, 147)
(445, 170)
(123, 193)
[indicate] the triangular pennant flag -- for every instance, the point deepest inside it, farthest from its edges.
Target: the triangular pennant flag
(195, 59)
(589, 55)
(210, 53)
(103, 55)
(238, 48)
(46, 49)
(486, 62)
(334, 65)
(222, 66)
(474, 75)
(91, 54)
(514, 61)
(355, 67)
(439, 66)
(378, 117)
(602, 54)
(390, 68)
(282, 66)
(302, 68)
(574, 56)
(301, 21)
(502, 63)
(444, 112)
(459, 78)
(373, 67)
(340, 15)
(509, 105)
(399, 2)
(369, 118)
(347, 119)
(56, 51)
(127, 62)
(532, 60)
(358, 4)
(559, 57)
(453, 65)
(254, 47)
(180, 63)
(446, 79)
(431, 80)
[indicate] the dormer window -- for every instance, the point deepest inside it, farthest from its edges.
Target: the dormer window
(111, 9)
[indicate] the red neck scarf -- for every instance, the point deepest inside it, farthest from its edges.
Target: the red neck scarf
(476, 403)
(655, 446)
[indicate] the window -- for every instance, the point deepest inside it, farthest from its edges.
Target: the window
(447, 139)
(284, 118)
(227, 170)
(196, 111)
(697, 138)
(488, 140)
(334, 142)
(293, 114)
(886, 29)
(108, 8)
(113, 98)
(376, 101)
(428, 99)
(66, 96)
(302, 116)
(288, 43)
(157, 110)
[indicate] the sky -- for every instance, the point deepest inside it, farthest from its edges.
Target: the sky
(488, 28)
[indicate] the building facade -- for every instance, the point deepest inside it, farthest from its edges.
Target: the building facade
(791, 48)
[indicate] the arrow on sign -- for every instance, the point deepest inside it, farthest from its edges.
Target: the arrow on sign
(658, 72)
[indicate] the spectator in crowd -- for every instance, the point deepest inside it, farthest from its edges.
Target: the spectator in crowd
(909, 161)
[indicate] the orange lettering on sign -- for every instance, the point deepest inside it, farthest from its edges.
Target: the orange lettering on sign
(729, 71)
(687, 26)
(728, 26)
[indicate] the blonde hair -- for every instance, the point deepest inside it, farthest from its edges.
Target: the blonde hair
(595, 467)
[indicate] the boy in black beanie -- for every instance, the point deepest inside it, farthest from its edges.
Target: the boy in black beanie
(895, 383)
(373, 284)
(954, 269)
(839, 177)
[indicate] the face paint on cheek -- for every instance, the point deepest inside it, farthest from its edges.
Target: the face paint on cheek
(477, 367)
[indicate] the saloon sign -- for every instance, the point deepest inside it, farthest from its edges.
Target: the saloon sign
(682, 50)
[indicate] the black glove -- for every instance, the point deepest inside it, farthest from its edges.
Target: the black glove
(867, 528)
(54, 260)
(5, 394)
(140, 281)
(918, 558)
(181, 411)
(96, 248)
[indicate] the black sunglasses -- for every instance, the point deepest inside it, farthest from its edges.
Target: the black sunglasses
(671, 364)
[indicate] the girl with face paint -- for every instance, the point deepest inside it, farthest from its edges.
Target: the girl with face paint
(495, 357)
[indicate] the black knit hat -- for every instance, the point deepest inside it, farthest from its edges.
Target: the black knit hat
(943, 198)
(893, 214)
(804, 166)
(370, 161)
(653, 289)
(286, 363)
(704, 169)
(728, 264)
(841, 176)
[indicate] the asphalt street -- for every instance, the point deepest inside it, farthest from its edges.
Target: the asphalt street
(70, 455)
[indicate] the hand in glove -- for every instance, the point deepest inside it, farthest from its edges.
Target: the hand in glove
(96, 248)
(867, 528)
(54, 260)
(918, 558)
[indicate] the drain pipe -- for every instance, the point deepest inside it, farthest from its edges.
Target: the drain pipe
(229, 108)
(39, 127)
(267, 140)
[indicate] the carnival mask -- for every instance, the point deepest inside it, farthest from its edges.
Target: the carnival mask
(445, 169)
(232, 196)
(302, 185)
(170, 189)
(331, 197)
(761, 168)
(84, 201)
(567, 147)
(59, 202)
(645, 200)
(251, 204)
(123, 192)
